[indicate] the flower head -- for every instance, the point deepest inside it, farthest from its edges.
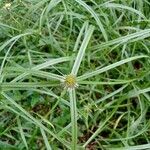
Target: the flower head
(7, 6)
(70, 81)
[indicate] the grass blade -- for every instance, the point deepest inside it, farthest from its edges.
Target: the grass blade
(51, 62)
(6, 55)
(35, 121)
(138, 147)
(6, 146)
(100, 127)
(82, 50)
(134, 93)
(8, 26)
(123, 39)
(111, 94)
(13, 39)
(91, 11)
(104, 69)
(106, 83)
(42, 66)
(22, 133)
(48, 75)
(113, 5)
(26, 85)
(73, 110)
(45, 139)
(80, 35)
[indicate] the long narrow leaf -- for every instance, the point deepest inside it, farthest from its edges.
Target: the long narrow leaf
(124, 39)
(50, 63)
(137, 147)
(79, 36)
(33, 119)
(91, 11)
(113, 5)
(104, 69)
(82, 50)
(13, 39)
(22, 133)
(26, 84)
(73, 110)
(48, 75)
(100, 127)
(111, 94)
(45, 139)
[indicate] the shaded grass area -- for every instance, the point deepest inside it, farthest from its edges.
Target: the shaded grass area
(105, 44)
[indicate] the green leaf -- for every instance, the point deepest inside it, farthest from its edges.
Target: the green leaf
(109, 67)
(91, 11)
(73, 109)
(6, 146)
(82, 50)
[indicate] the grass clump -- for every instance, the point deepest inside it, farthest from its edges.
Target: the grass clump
(74, 74)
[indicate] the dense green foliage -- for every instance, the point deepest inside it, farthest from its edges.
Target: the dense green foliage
(104, 44)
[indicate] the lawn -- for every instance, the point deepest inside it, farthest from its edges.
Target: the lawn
(74, 74)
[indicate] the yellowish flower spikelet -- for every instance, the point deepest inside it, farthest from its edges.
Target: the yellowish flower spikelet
(7, 6)
(70, 81)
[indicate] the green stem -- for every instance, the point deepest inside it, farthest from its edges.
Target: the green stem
(73, 110)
